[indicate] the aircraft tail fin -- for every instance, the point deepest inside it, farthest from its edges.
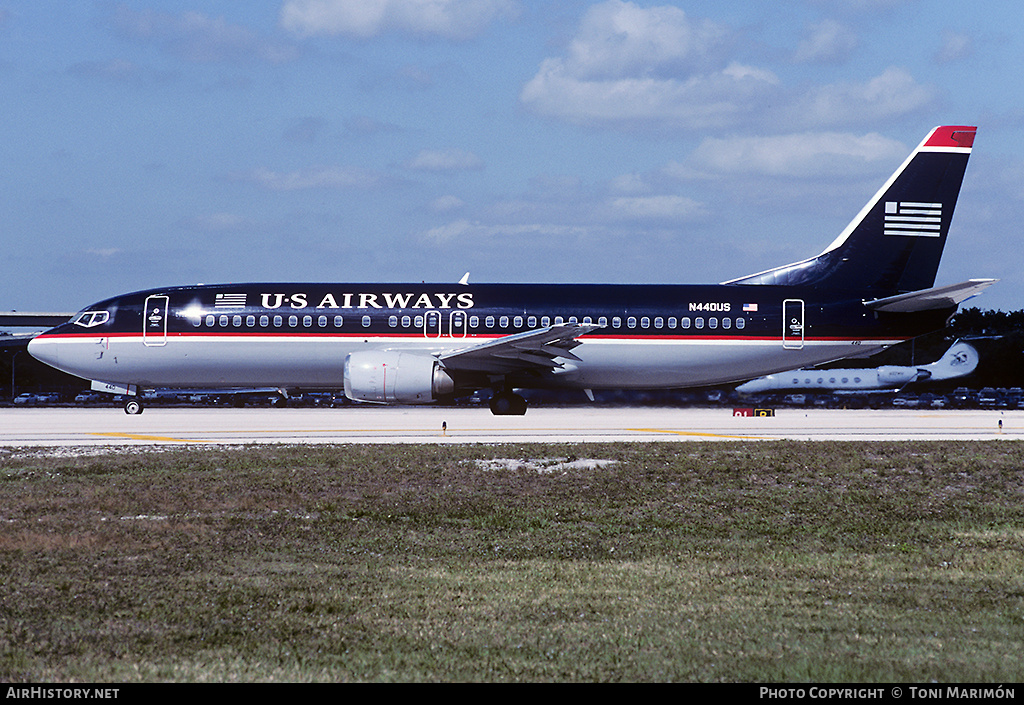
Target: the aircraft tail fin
(961, 359)
(895, 243)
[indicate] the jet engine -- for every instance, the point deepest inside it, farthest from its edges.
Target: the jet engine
(395, 377)
(894, 375)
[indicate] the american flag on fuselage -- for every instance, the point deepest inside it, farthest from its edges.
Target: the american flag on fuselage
(230, 301)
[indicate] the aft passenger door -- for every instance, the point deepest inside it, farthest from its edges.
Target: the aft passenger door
(154, 321)
(793, 324)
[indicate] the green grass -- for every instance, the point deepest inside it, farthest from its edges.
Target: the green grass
(775, 562)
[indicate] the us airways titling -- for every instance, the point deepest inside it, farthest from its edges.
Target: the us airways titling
(436, 300)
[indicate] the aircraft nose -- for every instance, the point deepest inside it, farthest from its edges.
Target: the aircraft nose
(45, 350)
(754, 385)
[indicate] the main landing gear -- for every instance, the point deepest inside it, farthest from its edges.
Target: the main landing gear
(133, 407)
(508, 403)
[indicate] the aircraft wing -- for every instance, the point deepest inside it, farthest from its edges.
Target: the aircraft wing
(928, 299)
(534, 349)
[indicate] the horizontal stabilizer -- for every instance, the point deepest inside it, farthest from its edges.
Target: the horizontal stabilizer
(930, 299)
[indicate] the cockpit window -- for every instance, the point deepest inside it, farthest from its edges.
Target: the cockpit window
(90, 319)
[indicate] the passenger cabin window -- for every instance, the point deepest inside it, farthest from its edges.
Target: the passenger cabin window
(366, 321)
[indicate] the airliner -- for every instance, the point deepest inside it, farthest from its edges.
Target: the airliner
(872, 287)
(960, 360)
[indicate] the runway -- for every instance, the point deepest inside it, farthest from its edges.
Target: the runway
(190, 426)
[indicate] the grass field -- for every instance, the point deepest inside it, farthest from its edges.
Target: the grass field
(774, 561)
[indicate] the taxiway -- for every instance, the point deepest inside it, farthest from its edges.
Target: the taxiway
(169, 426)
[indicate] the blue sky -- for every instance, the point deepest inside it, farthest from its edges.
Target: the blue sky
(150, 143)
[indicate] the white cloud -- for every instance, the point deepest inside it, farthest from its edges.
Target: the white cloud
(656, 65)
(664, 207)
(826, 42)
(955, 46)
(449, 19)
(311, 178)
(471, 230)
(893, 92)
(105, 252)
(198, 38)
(447, 203)
(797, 155)
(618, 39)
(718, 99)
(449, 160)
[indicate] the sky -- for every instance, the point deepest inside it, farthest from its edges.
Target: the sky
(151, 143)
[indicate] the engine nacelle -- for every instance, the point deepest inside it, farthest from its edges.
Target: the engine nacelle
(395, 378)
(889, 375)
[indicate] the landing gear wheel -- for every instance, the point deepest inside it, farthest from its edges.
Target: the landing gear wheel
(133, 407)
(508, 404)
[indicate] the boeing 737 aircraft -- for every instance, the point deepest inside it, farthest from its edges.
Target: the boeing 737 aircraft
(420, 343)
